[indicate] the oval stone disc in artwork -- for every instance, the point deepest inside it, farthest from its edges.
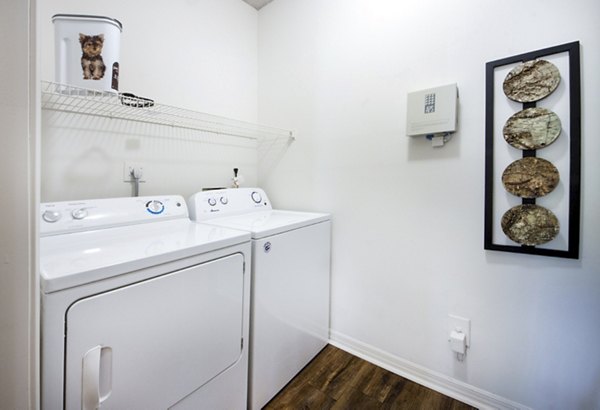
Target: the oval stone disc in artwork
(530, 225)
(531, 81)
(533, 128)
(530, 177)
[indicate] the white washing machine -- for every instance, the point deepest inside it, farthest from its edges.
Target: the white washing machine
(142, 308)
(289, 321)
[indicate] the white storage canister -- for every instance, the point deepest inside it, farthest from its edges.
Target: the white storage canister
(87, 51)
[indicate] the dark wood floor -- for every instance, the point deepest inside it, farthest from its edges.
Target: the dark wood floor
(336, 379)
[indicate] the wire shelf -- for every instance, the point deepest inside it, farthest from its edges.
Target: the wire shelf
(67, 98)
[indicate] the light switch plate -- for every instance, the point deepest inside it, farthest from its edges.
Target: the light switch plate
(458, 322)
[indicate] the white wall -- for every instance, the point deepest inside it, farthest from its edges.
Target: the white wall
(18, 286)
(199, 55)
(408, 218)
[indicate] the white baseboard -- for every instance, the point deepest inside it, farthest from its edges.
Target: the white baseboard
(444, 384)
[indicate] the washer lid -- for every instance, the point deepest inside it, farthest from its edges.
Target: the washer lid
(266, 223)
(82, 257)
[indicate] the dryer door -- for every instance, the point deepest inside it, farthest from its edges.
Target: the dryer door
(149, 344)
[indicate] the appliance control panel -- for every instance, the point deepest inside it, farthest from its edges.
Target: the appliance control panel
(226, 202)
(90, 214)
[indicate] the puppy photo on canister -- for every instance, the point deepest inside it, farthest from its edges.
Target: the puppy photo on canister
(92, 63)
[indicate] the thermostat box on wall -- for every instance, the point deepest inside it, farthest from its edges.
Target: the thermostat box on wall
(432, 111)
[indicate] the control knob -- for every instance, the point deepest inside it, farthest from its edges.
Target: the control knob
(224, 200)
(155, 207)
(51, 216)
(79, 213)
(212, 201)
(256, 197)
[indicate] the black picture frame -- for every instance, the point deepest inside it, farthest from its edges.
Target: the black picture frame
(574, 168)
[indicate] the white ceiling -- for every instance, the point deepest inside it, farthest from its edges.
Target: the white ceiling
(258, 4)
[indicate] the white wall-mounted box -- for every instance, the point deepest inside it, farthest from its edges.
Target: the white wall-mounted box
(432, 111)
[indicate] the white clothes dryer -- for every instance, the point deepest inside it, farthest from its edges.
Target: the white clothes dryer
(289, 321)
(142, 308)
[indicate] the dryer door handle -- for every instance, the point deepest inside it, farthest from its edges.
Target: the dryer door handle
(97, 377)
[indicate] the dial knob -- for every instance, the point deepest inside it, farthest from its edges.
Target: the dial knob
(224, 200)
(79, 213)
(51, 216)
(256, 197)
(155, 207)
(212, 201)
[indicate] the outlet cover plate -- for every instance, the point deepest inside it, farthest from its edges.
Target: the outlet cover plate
(458, 322)
(128, 166)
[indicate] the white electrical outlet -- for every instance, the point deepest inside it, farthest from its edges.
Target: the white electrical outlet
(460, 323)
(128, 167)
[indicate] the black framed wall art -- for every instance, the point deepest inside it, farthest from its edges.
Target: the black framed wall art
(533, 153)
